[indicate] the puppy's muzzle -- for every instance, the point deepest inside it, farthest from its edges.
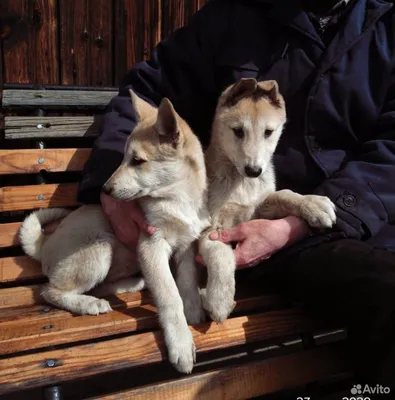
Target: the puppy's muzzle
(106, 189)
(252, 171)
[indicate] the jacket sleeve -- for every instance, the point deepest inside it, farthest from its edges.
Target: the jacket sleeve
(364, 190)
(181, 68)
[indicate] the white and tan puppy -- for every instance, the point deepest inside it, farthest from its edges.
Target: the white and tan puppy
(247, 125)
(164, 168)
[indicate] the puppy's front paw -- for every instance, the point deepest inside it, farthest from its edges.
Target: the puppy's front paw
(182, 352)
(96, 307)
(318, 211)
(218, 301)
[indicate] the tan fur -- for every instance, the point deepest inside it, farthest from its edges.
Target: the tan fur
(84, 254)
(235, 197)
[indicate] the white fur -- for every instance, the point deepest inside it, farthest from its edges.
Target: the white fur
(234, 197)
(84, 254)
(31, 234)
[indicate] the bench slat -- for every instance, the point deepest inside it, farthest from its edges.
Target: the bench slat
(19, 296)
(56, 98)
(30, 161)
(19, 268)
(51, 127)
(15, 298)
(247, 381)
(13, 198)
(29, 305)
(32, 370)
(35, 329)
(9, 234)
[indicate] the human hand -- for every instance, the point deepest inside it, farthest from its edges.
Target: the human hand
(258, 239)
(126, 218)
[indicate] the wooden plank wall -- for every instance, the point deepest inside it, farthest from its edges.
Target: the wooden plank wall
(83, 42)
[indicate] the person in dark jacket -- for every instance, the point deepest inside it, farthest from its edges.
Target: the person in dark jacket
(334, 62)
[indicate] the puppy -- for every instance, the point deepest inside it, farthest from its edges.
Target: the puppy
(164, 168)
(247, 125)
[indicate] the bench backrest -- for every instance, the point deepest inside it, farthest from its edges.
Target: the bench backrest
(48, 175)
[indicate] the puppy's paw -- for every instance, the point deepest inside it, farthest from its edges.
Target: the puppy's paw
(219, 301)
(182, 352)
(96, 307)
(318, 211)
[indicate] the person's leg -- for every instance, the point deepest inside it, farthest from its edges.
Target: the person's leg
(352, 284)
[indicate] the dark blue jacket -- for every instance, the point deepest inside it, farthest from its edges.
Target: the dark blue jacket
(340, 137)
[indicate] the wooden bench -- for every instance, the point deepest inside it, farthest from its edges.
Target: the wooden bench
(267, 346)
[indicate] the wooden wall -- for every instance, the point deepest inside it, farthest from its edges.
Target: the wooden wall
(83, 42)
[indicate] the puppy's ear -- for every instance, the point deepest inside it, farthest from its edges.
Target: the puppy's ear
(245, 87)
(271, 91)
(167, 124)
(143, 109)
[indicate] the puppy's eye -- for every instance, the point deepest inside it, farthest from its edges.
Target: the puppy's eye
(268, 132)
(238, 132)
(137, 161)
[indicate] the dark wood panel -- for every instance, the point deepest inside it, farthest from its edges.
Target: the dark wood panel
(176, 13)
(137, 31)
(86, 42)
(30, 42)
(17, 67)
(100, 59)
(174, 16)
(45, 27)
(74, 42)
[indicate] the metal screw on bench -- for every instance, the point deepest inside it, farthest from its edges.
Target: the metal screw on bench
(40, 145)
(50, 363)
(40, 197)
(49, 326)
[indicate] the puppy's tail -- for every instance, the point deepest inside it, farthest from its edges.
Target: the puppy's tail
(31, 235)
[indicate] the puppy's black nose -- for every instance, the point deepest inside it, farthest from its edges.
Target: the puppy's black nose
(106, 190)
(252, 172)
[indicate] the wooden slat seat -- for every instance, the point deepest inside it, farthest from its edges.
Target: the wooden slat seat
(41, 345)
(245, 381)
(15, 198)
(38, 328)
(28, 161)
(9, 234)
(19, 269)
(142, 349)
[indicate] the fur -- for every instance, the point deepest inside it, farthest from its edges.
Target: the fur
(247, 126)
(164, 169)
